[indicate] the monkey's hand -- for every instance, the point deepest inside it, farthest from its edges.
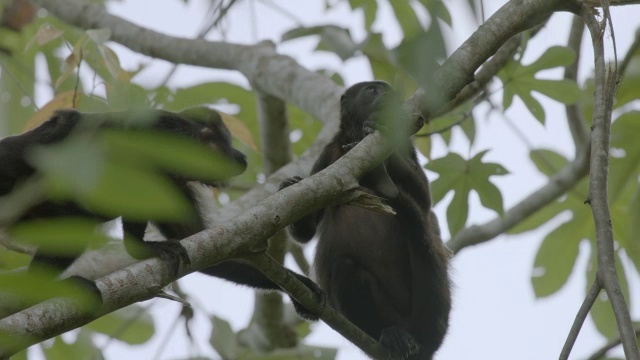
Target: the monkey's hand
(290, 181)
(400, 344)
(302, 311)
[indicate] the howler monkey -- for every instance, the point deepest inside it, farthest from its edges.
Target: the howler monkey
(199, 124)
(388, 274)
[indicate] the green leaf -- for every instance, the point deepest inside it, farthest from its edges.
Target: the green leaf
(135, 193)
(462, 176)
(82, 348)
(132, 325)
(555, 259)
(417, 62)
(554, 56)
(539, 218)
(382, 60)
(369, 8)
(78, 162)
(78, 169)
(535, 108)
(407, 18)
(564, 91)
(548, 162)
(520, 80)
(10, 260)
(171, 153)
(438, 9)
(223, 339)
(37, 285)
(59, 236)
(334, 39)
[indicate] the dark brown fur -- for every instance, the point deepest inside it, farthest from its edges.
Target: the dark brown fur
(200, 124)
(387, 274)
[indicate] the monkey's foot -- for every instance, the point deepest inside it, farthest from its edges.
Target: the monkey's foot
(87, 293)
(171, 252)
(302, 311)
(290, 181)
(400, 344)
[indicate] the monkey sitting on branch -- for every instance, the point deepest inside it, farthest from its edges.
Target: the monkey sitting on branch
(388, 274)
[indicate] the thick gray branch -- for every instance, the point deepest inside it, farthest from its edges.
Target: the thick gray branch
(243, 235)
(275, 74)
(457, 71)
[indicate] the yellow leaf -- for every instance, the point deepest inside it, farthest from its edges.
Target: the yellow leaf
(238, 129)
(63, 100)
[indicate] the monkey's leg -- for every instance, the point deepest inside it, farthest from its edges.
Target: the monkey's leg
(359, 297)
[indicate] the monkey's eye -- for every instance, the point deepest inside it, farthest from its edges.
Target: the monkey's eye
(372, 90)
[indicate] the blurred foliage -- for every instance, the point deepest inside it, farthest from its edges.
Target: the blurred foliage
(106, 86)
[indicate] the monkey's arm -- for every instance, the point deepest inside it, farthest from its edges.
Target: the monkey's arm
(241, 272)
(304, 229)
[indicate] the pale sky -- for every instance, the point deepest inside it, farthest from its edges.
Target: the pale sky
(495, 315)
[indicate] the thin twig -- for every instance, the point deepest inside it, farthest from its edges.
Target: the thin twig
(575, 119)
(630, 53)
(75, 91)
(600, 353)
(276, 272)
(588, 302)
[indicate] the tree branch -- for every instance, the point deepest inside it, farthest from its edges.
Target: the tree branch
(143, 280)
(267, 329)
(600, 353)
(604, 93)
(577, 123)
(580, 318)
(457, 71)
(330, 316)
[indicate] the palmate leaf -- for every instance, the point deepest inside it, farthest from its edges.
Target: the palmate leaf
(558, 251)
(369, 8)
(557, 254)
(82, 348)
(333, 39)
(519, 80)
(132, 325)
(461, 176)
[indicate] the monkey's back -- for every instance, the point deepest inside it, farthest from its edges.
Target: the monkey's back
(408, 262)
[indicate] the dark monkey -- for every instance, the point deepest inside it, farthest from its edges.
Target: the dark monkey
(388, 274)
(199, 124)
(15, 169)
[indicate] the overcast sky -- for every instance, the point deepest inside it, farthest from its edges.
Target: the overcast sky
(495, 314)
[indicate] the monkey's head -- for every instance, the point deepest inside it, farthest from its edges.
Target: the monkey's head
(360, 102)
(212, 132)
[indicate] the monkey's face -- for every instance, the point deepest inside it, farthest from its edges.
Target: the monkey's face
(218, 138)
(360, 102)
(212, 132)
